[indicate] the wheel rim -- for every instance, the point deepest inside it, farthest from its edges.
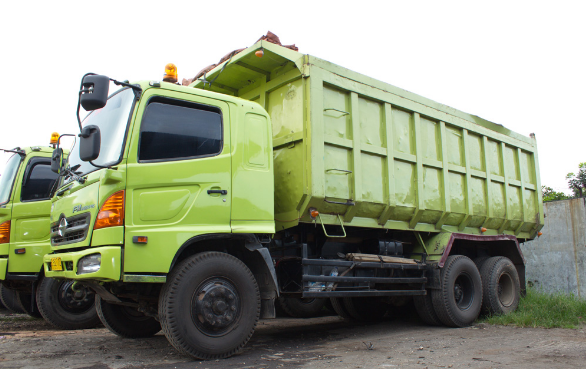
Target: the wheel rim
(505, 291)
(75, 302)
(215, 307)
(463, 291)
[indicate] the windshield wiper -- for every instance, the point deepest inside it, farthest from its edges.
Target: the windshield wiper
(71, 173)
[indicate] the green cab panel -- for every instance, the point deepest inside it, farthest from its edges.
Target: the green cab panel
(379, 156)
(168, 200)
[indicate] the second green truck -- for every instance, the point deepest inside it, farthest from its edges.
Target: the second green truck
(26, 187)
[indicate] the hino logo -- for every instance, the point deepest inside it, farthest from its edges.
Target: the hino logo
(62, 227)
(77, 208)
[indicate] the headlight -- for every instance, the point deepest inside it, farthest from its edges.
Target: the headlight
(89, 264)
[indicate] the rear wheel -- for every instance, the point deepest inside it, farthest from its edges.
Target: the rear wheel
(340, 308)
(66, 308)
(28, 303)
(366, 309)
(425, 310)
(302, 308)
(209, 306)
(9, 300)
(457, 303)
(126, 321)
(500, 286)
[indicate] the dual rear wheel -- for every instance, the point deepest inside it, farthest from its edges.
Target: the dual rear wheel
(490, 285)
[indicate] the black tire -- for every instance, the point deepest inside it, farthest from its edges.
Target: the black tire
(480, 260)
(501, 289)
(458, 302)
(126, 321)
(425, 310)
(28, 303)
(302, 308)
(340, 308)
(9, 300)
(209, 306)
(365, 309)
(64, 308)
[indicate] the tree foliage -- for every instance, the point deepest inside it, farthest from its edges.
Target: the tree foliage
(577, 182)
(550, 195)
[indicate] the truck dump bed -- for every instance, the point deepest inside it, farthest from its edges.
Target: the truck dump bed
(370, 154)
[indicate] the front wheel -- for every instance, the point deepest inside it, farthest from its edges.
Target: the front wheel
(126, 321)
(66, 307)
(457, 303)
(209, 306)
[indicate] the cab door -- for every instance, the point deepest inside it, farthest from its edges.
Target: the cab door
(178, 177)
(30, 217)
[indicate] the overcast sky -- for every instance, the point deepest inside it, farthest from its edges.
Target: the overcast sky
(521, 64)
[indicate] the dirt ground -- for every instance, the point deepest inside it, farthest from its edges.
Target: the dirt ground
(325, 342)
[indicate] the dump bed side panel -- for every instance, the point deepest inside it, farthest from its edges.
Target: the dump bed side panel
(407, 165)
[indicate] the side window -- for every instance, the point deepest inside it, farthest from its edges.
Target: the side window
(175, 132)
(38, 182)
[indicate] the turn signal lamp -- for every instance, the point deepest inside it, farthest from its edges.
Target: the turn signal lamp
(5, 232)
(482, 229)
(539, 233)
(112, 212)
(54, 138)
(170, 73)
(260, 52)
(313, 213)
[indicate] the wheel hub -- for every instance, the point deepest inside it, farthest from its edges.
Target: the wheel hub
(75, 301)
(458, 293)
(215, 306)
(463, 291)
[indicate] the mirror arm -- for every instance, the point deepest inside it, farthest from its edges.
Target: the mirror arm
(136, 88)
(98, 165)
(16, 150)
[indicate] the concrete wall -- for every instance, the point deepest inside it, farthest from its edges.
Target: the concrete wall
(556, 261)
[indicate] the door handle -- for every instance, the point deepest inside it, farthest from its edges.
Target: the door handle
(221, 192)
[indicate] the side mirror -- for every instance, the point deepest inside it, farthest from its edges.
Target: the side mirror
(56, 160)
(94, 92)
(89, 144)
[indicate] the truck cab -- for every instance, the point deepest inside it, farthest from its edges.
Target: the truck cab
(25, 193)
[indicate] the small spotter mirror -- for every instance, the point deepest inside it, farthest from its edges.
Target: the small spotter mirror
(94, 92)
(89, 143)
(56, 160)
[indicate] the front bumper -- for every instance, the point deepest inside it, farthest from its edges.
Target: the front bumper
(3, 268)
(110, 268)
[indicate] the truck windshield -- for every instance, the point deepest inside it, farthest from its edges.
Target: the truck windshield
(7, 178)
(112, 120)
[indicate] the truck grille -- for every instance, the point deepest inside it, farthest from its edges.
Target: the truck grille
(75, 231)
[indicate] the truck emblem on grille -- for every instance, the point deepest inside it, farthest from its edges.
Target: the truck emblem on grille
(62, 227)
(77, 208)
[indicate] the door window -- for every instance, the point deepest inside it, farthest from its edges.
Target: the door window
(38, 182)
(175, 130)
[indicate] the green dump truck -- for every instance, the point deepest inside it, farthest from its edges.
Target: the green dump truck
(26, 187)
(191, 208)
